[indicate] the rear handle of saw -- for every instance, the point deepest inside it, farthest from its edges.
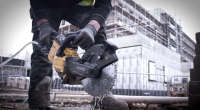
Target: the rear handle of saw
(44, 50)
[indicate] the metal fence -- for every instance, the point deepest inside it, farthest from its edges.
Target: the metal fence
(133, 84)
(178, 89)
(126, 84)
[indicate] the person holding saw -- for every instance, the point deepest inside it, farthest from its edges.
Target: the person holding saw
(46, 15)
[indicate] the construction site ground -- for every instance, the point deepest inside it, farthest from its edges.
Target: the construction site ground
(13, 98)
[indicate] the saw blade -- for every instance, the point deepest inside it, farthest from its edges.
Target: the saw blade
(100, 86)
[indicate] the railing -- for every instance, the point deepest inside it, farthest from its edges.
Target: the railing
(133, 84)
(125, 85)
(178, 89)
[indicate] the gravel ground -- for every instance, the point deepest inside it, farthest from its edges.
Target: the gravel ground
(12, 99)
(24, 106)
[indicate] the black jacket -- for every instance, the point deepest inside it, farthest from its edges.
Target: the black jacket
(101, 11)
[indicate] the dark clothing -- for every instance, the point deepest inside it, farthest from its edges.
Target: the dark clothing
(78, 16)
(41, 68)
(100, 12)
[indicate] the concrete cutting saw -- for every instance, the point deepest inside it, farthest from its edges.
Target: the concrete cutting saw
(94, 70)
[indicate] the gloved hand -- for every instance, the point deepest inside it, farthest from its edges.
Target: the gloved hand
(46, 33)
(85, 37)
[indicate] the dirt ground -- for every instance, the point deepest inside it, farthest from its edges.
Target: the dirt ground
(70, 105)
(22, 106)
(12, 99)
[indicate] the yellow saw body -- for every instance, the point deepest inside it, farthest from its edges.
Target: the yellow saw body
(58, 62)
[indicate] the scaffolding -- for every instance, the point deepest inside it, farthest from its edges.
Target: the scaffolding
(129, 18)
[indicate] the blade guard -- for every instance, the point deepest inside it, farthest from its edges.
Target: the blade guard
(91, 64)
(101, 54)
(74, 71)
(104, 56)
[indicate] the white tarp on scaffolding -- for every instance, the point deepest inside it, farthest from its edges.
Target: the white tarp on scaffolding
(128, 62)
(157, 47)
(137, 63)
(142, 40)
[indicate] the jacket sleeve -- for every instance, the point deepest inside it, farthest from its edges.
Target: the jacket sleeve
(101, 11)
(38, 9)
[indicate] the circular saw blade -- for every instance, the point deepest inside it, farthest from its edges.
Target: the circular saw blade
(100, 86)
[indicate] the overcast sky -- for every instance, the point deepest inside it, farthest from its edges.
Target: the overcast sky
(15, 23)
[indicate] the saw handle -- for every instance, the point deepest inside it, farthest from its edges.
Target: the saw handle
(66, 43)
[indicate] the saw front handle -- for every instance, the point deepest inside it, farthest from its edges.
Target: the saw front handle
(61, 47)
(65, 44)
